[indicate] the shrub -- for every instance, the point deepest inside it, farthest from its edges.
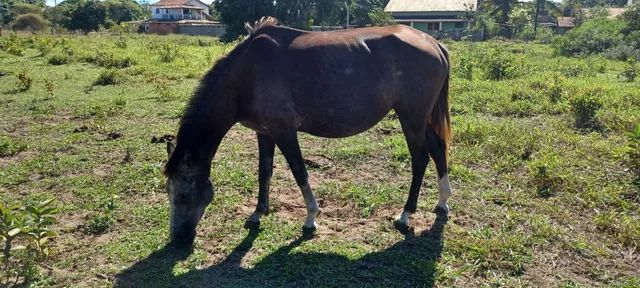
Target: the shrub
(59, 59)
(499, 66)
(168, 52)
(109, 60)
(634, 149)
(12, 45)
(543, 176)
(109, 77)
(630, 72)
(24, 81)
(593, 36)
(464, 66)
(33, 22)
(585, 107)
(49, 88)
(622, 52)
(121, 42)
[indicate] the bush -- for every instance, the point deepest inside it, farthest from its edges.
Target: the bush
(499, 66)
(630, 72)
(585, 107)
(24, 81)
(59, 59)
(622, 52)
(168, 52)
(594, 36)
(33, 22)
(109, 77)
(109, 60)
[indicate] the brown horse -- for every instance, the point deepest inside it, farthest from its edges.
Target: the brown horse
(330, 84)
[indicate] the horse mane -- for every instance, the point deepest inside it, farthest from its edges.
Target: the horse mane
(265, 21)
(197, 119)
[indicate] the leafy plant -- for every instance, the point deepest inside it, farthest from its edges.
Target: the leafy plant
(499, 66)
(59, 59)
(24, 81)
(584, 107)
(168, 52)
(102, 221)
(634, 150)
(109, 77)
(121, 42)
(26, 229)
(630, 71)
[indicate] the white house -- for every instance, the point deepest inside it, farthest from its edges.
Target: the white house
(172, 10)
(432, 15)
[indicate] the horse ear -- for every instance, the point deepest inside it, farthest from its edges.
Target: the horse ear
(171, 146)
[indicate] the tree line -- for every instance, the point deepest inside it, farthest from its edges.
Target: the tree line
(496, 17)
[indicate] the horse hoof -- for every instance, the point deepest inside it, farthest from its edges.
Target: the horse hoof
(441, 210)
(253, 225)
(308, 232)
(403, 228)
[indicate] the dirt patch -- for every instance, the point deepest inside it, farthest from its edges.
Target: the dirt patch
(17, 158)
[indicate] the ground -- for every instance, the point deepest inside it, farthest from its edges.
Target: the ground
(542, 197)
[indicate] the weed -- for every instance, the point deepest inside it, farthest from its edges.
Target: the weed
(10, 147)
(103, 220)
(49, 88)
(121, 42)
(464, 67)
(109, 60)
(585, 106)
(109, 77)
(168, 52)
(24, 81)
(634, 150)
(543, 176)
(499, 66)
(59, 59)
(26, 234)
(630, 71)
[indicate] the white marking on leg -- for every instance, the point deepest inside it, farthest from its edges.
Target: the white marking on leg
(312, 206)
(403, 217)
(444, 192)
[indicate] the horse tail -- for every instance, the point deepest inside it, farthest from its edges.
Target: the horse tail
(440, 120)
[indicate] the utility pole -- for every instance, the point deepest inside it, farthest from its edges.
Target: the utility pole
(346, 4)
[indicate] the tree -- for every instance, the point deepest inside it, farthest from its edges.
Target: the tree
(234, 13)
(378, 17)
(500, 9)
(29, 21)
(295, 13)
(541, 4)
(88, 15)
(125, 10)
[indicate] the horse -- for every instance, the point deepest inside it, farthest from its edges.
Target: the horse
(280, 81)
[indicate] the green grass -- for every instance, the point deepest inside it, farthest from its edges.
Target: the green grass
(539, 198)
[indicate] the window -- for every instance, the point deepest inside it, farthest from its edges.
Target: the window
(459, 25)
(157, 10)
(433, 26)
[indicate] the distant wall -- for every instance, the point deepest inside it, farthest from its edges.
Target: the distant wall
(216, 30)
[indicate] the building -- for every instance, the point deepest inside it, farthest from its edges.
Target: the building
(432, 15)
(182, 17)
(565, 24)
(174, 10)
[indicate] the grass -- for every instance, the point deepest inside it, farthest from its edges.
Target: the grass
(541, 167)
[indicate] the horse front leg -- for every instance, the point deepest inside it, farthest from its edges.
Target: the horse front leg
(266, 147)
(290, 148)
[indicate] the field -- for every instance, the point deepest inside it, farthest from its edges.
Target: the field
(542, 168)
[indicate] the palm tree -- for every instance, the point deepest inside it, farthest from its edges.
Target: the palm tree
(500, 8)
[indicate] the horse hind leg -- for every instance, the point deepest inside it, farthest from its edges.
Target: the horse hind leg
(437, 150)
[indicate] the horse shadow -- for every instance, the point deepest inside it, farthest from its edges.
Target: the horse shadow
(408, 263)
